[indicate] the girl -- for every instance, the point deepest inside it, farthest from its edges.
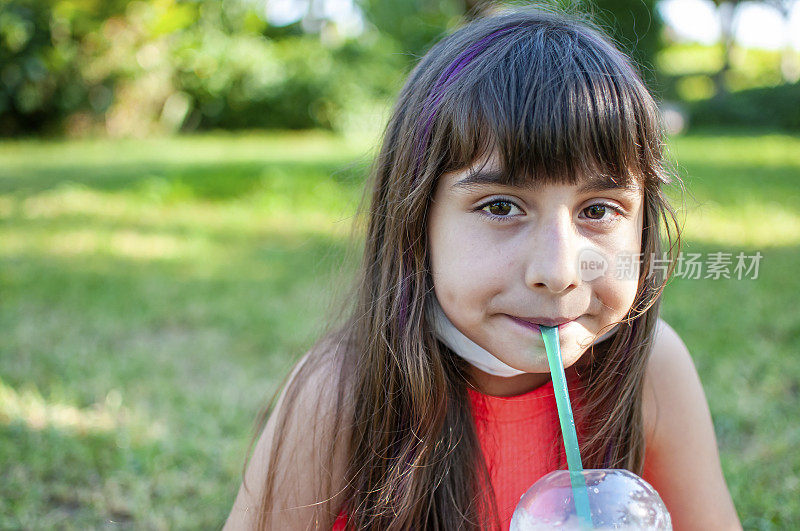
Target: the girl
(519, 184)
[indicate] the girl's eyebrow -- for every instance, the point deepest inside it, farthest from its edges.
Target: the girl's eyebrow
(602, 183)
(481, 177)
(595, 183)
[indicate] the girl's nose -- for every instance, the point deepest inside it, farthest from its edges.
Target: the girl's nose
(552, 263)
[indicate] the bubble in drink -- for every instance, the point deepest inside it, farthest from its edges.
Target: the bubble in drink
(618, 499)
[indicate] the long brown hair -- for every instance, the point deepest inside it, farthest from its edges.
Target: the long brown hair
(556, 99)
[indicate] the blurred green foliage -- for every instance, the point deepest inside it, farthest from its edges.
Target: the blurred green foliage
(767, 107)
(687, 68)
(759, 96)
(636, 27)
(138, 67)
(413, 25)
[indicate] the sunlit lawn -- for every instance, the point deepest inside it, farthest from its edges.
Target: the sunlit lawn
(153, 293)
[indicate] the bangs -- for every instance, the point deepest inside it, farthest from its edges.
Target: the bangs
(555, 106)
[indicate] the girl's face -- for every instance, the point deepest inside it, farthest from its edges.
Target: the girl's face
(504, 258)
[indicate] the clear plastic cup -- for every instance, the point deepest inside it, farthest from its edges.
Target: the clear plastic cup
(618, 499)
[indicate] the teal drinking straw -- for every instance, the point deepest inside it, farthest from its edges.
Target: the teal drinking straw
(579, 492)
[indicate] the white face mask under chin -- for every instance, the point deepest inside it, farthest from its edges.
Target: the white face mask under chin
(476, 355)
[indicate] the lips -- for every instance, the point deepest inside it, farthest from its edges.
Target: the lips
(534, 322)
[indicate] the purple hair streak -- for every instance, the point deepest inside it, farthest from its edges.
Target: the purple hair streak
(447, 78)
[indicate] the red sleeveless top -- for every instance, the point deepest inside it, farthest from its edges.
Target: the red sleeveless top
(521, 441)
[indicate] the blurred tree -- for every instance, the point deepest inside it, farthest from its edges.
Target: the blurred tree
(415, 25)
(637, 28)
(42, 46)
(768, 107)
(726, 9)
(124, 67)
(790, 69)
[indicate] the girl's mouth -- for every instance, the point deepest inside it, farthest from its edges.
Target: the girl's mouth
(533, 323)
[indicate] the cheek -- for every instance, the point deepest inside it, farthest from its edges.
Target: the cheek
(619, 297)
(465, 268)
(617, 288)
(617, 291)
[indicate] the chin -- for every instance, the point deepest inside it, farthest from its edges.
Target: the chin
(572, 354)
(572, 361)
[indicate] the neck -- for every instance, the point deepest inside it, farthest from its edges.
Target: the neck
(490, 384)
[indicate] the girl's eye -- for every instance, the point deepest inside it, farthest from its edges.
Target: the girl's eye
(598, 212)
(499, 209)
(505, 210)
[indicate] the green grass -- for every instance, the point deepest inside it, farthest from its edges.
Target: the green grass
(154, 292)
(745, 334)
